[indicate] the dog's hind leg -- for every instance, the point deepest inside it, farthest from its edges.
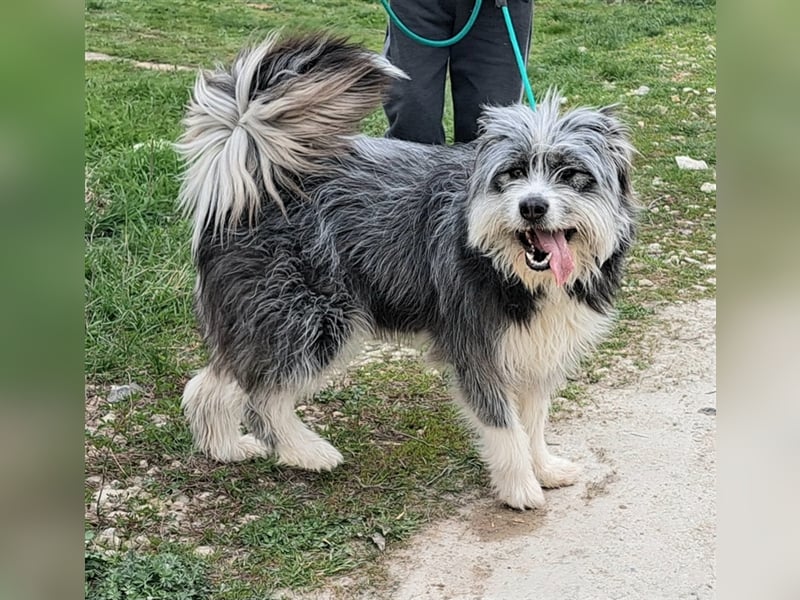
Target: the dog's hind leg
(271, 417)
(214, 406)
(552, 471)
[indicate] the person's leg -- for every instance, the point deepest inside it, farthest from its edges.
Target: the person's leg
(414, 107)
(483, 69)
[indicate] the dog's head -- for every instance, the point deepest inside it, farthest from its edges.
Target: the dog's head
(550, 194)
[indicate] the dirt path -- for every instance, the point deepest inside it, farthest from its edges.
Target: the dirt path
(639, 524)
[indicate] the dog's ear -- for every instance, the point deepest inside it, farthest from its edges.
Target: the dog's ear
(618, 137)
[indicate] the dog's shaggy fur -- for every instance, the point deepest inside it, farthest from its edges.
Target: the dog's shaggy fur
(504, 253)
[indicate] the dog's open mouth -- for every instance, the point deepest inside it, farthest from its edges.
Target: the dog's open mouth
(548, 250)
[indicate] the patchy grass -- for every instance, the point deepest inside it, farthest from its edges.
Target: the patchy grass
(408, 458)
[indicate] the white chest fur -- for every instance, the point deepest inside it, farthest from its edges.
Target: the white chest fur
(553, 342)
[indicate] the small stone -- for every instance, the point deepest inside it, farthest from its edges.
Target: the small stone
(153, 144)
(94, 480)
(143, 464)
(711, 91)
(140, 542)
(582, 49)
(106, 497)
(655, 210)
(690, 164)
(657, 181)
(708, 188)
(159, 420)
(204, 551)
(654, 248)
(181, 500)
(123, 392)
(642, 90)
(108, 538)
(646, 283)
(379, 541)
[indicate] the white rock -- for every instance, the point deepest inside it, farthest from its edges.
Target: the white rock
(154, 144)
(708, 187)
(642, 90)
(122, 392)
(106, 497)
(181, 500)
(140, 542)
(108, 538)
(690, 164)
(204, 551)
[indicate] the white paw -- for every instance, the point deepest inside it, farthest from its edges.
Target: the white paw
(557, 472)
(315, 455)
(246, 447)
(521, 493)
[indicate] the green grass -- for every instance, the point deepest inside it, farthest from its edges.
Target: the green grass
(409, 460)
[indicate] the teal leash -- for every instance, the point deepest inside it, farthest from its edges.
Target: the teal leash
(434, 43)
(523, 73)
(464, 31)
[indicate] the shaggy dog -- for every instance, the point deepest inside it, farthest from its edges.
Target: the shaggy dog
(504, 254)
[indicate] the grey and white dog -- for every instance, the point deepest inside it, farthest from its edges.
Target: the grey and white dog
(504, 253)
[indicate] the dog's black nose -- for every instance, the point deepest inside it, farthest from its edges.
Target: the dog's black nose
(533, 208)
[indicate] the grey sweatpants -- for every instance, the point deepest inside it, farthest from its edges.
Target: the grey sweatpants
(482, 66)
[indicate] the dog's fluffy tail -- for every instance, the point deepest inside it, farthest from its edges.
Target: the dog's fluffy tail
(281, 108)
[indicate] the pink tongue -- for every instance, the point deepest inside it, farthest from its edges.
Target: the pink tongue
(560, 257)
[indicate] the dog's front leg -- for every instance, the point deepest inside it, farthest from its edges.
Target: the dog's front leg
(552, 471)
(505, 445)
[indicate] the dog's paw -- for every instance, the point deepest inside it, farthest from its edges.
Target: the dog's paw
(246, 447)
(523, 494)
(557, 472)
(316, 455)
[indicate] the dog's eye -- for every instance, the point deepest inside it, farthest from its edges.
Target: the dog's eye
(576, 178)
(516, 173)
